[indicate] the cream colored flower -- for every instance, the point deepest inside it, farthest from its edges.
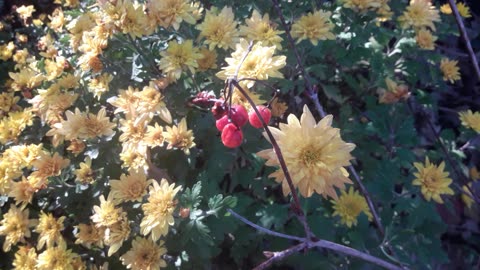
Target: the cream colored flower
(314, 153)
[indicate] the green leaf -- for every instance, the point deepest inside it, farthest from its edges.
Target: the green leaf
(191, 197)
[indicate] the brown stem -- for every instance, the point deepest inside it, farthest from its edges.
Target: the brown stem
(296, 202)
(463, 32)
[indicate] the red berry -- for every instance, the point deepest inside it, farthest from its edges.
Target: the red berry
(253, 117)
(239, 115)
(222, 122)
(232, 136)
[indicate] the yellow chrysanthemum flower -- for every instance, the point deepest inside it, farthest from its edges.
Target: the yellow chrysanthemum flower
(100, 85)
(260, 28)
(88, 235)
(25, 12)
(49, 229)
(278, 107)
(47, 165)
(6, 51)
(315, 155)
(219, 28)
(419, 14)
(463, 9)
(433, 180)
(260, 64)
(144, 254)
(116, 234)
(85, 174)
(154, 136)
(470, 120)
(450, 70)
(57, 257)
(362, 5)
(131, 187)
(106, 214)
(26, 79)
(425, 39)
(179, 57)
(136, 104)
(25, 259)
(15, 226)
(159, 209)
(168, 13)
(8, 101)
(179, 137)
(240, 99)
(208, 59)
(23, 191)
(313, 26)
(349, 206)
(98, 125)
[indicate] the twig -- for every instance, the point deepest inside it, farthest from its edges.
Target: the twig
(276, 256)
(279, 255)
(312, 94)
(265, 230)
(463, 32)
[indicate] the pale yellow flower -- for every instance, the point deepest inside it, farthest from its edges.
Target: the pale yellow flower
(57, 257)
(179, 57)
(144, 254)
(463, 9)
(179, 137)
(208, 59)
(260, 28)
(168, 13)
(107, 214)
(313, 26)
(362, 5)
(15, 226)
(470, 119)
(219, 28)
(349, 206)
(433, 180)
(450, 70)
(25, 259)
(88, 235)
(260, 64)
(100, 85)
(85, 174)
(158, 211)
(154, 136)
(315, 155)
(425, 39)
(419, 14)
(25, 12)
(131, 187)
(6, 51)
(49, 229)
(48, 165)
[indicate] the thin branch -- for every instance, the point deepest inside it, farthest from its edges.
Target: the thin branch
(312, 94)
(354, 253)
(276, 256)
(264, 230)
(279, 255)
(463, 32)
(296, 202)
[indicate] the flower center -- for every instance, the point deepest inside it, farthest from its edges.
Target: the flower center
(310, 156)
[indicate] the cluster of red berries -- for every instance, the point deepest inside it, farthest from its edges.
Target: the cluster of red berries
(230, 121)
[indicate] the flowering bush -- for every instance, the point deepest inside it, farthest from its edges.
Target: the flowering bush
(215, 134)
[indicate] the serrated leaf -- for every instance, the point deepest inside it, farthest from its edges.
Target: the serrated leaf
(191, 197)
